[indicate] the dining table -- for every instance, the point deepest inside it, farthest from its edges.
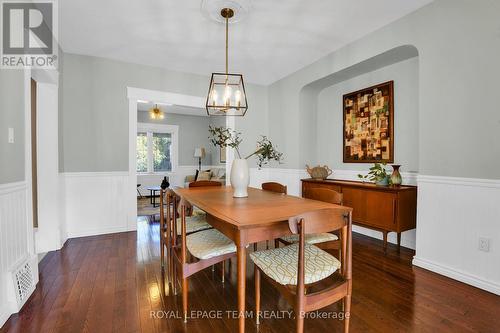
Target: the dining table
(261, 216)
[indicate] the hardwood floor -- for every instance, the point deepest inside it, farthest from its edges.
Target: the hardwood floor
(112, 283)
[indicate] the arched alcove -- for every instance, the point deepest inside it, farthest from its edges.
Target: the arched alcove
(320, 110)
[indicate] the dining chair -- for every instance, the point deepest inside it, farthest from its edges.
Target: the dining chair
(325, 240)
(274, 187)
(277, 188)
(169, 231)
(293, 268)
(197, 251)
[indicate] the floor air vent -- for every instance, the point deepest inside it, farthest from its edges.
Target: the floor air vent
(24, 281)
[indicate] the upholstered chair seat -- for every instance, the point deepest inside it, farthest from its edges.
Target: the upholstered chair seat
(197, 211)
(209, 243)
(280, 264)
(312, 238)
(194, 223)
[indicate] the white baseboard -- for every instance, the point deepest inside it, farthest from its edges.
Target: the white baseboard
(41, 256)
(5, 313)
(461, 276)
(99, 231)
(407, 237)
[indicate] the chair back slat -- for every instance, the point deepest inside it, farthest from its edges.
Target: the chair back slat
(325, 194)
(321, 220)
(274, 187)
(170, 194)
(202, 183)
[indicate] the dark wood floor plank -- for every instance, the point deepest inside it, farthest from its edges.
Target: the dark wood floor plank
(113, 283)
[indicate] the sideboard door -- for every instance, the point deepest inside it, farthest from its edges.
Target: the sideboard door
(372, 208)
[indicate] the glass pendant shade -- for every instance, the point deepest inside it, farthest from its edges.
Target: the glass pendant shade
(155, 113)
(226, 95)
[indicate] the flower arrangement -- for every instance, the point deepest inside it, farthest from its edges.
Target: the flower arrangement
(265, 152)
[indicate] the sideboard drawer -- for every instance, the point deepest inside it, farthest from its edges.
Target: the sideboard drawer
(305, 187)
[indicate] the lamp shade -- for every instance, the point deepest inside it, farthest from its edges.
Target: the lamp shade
(226, 95)
(199, 152)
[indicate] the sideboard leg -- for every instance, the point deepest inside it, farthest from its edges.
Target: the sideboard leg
(399, 241)
(385, 241)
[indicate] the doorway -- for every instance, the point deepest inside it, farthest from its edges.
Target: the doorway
(186, 114)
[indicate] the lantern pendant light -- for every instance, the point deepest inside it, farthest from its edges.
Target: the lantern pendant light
(226, 94)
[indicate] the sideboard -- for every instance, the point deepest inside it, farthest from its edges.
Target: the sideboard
(383, 208)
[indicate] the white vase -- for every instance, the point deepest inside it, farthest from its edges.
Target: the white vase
(240, 178)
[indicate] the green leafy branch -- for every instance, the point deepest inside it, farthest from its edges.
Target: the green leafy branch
(224, 137)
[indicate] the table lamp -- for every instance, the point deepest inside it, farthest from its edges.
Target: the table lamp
(199, 153)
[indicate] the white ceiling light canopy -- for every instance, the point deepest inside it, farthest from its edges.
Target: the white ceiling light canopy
(212, 9)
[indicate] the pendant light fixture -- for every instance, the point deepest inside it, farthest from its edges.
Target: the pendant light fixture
(226, 94)
(155, 113)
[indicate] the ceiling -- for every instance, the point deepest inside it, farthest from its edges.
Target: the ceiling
(144, 106)
(275, 39)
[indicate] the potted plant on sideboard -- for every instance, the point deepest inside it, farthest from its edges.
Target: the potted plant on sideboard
(377, 174)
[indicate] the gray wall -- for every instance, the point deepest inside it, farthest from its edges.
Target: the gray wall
(11, 115)
(329, 116)
(215, 151)
(254, 123)
(94, 109)
(193, 132)
(458, 71)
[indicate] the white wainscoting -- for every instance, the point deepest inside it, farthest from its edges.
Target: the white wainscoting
(97, 203)
(292, 177)
(453, 213)
(14, 246)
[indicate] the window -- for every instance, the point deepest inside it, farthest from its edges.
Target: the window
(156, 148)
(162, 143)
(142, 152)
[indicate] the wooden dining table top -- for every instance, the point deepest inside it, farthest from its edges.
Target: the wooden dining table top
(258, 209)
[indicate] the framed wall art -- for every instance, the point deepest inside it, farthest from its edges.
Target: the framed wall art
(368, 134)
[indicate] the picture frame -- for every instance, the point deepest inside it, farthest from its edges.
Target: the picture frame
(368, 124)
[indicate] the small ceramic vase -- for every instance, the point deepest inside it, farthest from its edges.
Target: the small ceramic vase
(396, 179)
